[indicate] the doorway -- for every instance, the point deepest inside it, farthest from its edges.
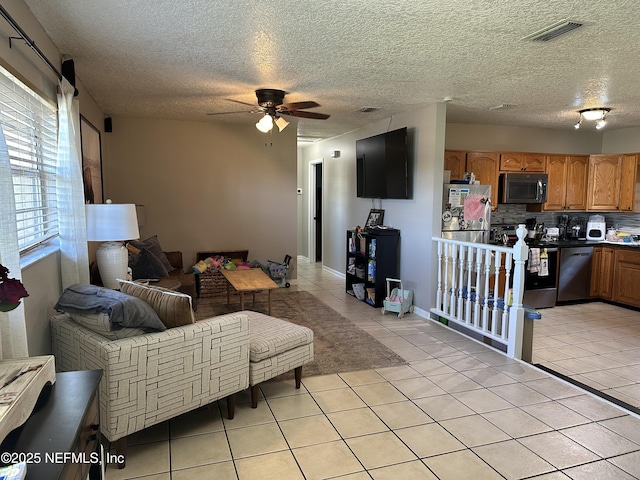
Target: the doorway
(315, 210)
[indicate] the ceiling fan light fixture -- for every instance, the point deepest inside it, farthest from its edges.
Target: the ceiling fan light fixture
(265, 124)
(601, 124)
(281, 123)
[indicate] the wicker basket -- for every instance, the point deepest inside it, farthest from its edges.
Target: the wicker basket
(214, 284)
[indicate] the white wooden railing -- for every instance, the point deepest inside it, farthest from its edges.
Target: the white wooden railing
(473, 289)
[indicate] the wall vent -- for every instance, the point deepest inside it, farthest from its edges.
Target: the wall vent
(368, 109)
(553, 31)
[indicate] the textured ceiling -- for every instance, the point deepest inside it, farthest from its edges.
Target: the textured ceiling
(182, 59)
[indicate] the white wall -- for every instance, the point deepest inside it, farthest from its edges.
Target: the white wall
(207, 186)
(626, 140)
(42, 278)
(461, 136)
(415, 217)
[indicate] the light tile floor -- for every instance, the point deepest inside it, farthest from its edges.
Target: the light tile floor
(458, 410)
(597, 344)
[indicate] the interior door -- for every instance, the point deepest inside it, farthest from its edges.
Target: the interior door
(318, 211)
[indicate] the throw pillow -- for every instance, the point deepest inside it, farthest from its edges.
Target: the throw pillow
(146, 265)
(153, 246)
(173, 308)
(99, 323)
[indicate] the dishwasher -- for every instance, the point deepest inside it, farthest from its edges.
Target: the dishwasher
(574, 273)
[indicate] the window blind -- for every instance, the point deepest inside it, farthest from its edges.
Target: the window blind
(29, 124)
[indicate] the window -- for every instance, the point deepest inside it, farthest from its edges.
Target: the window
(30, 125)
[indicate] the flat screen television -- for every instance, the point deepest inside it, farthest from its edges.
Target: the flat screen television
(382, 165)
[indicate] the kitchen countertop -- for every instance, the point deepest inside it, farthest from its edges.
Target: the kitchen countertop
(580, 243)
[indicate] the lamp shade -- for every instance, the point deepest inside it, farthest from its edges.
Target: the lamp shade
(111, 221)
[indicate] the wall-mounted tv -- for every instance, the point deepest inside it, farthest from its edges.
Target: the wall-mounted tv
(382, 165)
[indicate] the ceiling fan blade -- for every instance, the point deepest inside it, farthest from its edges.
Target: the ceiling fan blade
(242, 103)
(300, 113)
(255, 110)
(226, 113)
(297, 105)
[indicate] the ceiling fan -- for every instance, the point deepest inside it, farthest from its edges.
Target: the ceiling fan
(270, 102)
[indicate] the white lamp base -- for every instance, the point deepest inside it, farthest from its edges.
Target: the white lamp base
(113, 260)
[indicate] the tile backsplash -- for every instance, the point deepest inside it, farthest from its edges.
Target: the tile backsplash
(513, 214)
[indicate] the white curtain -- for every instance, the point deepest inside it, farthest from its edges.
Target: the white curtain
(74, 256)
(13, 332)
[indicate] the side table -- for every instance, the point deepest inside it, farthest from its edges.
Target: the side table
(63, 429)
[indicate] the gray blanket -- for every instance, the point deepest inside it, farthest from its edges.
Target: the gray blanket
(125, 311)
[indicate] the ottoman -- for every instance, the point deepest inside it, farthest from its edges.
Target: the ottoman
(275, 347)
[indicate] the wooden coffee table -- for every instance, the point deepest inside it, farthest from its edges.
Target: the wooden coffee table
(248, 280)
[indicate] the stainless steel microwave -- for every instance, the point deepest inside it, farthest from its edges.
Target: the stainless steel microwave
(523, 187)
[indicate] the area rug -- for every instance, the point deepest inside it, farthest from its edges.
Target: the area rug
(339, 345)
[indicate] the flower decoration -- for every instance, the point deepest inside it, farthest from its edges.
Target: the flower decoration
(11, 290)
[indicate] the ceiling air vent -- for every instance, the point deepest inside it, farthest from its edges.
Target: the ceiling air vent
(502, 106)
(553, 31)
(368, 109)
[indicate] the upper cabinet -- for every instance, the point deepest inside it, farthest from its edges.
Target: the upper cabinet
(577, 182)
(522, 162)
(485, 168)
(612, 183)
(581, 183)
(628, 180)
(455, 161)
(567, 183)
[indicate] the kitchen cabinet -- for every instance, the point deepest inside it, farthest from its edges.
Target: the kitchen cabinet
(626, 277)
(580, 183)
(455, 161)
(628, 173)
(577, 182)
(602, 266)
(484, 166)
(522, 162)
(372, 257)
(604, 183)
(567, 184)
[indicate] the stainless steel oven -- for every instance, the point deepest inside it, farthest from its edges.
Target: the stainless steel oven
(541, 291)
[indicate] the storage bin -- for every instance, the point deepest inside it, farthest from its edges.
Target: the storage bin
(214, 284)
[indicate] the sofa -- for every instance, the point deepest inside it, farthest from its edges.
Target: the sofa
(149, 377)
(187, 280)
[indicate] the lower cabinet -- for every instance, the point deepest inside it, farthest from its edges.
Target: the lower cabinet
(602, 272)
(615, 275)
(626, 277)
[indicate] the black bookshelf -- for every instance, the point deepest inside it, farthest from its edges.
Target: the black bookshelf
(372, 257)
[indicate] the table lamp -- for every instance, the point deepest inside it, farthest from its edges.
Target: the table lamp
(112, 224)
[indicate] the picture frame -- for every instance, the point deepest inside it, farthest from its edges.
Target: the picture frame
(375, 218)
(91, 162)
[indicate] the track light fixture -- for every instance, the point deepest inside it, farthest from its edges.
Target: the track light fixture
(593, 114)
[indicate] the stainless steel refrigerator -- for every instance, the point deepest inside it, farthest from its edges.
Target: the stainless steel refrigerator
(466, 212)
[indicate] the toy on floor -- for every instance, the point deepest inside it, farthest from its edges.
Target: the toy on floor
(398, 300)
